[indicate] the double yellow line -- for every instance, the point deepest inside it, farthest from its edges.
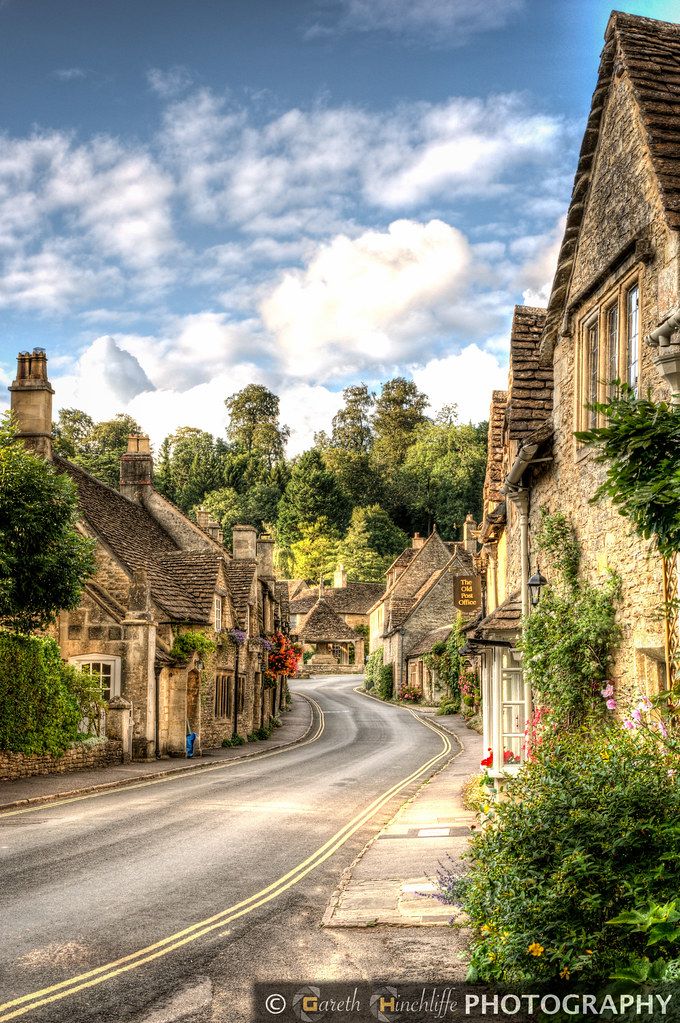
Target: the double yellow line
(26, 1003)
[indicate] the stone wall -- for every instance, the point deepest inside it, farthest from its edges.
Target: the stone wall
(81, 757)
(623, 201)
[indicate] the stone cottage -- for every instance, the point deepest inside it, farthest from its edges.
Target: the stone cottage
(333, 645)
(158, 576)
(427, 586)
(350, 600)
(613, 314)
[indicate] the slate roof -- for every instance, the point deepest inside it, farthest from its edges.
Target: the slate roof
(494, 459)
(240, 575)
(425, 643)
(649, 51)
(354, 598)
(404, 559)
(323, 625)
(530, 385)
(503, 622)
(179, 580)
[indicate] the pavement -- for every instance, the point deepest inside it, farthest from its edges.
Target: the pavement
(296, 723)
(165, 899)
(393, 880)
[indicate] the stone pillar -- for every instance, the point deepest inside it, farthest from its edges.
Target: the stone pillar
(139, 634)
(119, 725)
(31, 401)
(359, 652)
(469, 535)
(340, 577)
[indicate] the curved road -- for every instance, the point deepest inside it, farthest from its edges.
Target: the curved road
(110, 905)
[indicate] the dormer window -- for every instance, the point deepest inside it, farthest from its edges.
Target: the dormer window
(218, 614)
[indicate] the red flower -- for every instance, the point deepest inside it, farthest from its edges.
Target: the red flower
(487, 761)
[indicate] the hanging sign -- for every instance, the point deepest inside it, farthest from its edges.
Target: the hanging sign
(467, 592)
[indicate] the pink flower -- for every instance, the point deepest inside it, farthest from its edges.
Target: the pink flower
(607, 691)
(637, 715)
(645, 703)
(629, 724)
(662, 728)
(611, 704)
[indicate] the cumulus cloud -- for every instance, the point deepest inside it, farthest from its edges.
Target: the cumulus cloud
(367, 300)
(170, 82)
(538, 254)
(442, 22)
(465, 379)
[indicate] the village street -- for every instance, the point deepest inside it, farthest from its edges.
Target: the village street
(184, 852)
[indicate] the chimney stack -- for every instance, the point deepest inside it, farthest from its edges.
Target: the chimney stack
(265, 557)
(340, 577)
(31, 401)
(469, 535)
(417, 542)
(136, 467)
(244, 543)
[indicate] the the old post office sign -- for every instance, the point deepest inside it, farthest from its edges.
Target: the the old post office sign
(467, 592)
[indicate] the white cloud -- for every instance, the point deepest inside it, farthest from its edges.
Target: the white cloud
(51, 279)
(465, 379)
(368, 300)
(442, 22)
(70, 74)
(539, 252)
(170, 82)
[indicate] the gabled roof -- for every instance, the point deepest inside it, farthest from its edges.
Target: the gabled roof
(649, 52)
(502, 623)
(529, 385)
(323, 625)
(178, 580)
(354, 598)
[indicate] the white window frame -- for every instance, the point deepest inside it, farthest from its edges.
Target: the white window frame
(493, 706)
(115, 663)
(217, 611)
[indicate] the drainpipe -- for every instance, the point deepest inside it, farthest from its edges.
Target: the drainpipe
(236, 692)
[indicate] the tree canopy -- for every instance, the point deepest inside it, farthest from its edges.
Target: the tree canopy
(44, 560)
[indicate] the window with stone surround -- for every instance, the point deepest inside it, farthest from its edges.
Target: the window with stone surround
(223, 695)
(608, 348)
(106, 669)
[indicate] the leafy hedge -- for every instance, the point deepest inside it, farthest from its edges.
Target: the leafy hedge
(385, 684)
(589, 832)
(373, 668)
(42, 700)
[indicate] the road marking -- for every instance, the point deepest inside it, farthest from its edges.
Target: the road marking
(178, 776)
(99, 975)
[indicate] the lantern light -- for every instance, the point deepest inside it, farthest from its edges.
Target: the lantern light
(536, 584)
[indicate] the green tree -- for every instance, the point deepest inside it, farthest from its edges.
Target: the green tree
(399, 411)
(370, 545)
(254, 424)
(315, 553)
(352, 430)
(311, 494)
(190, 466)
(97, 447)
(44, 560)
(356, 475)
(442, 475)
(71, 431)
(256, 507)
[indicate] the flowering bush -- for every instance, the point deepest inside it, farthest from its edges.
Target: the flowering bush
(284, 656)
(238, 636)
(589, 831)
(410, 694)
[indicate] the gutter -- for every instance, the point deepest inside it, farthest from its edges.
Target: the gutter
(661, 335)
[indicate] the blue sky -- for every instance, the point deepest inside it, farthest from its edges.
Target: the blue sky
(305, 193)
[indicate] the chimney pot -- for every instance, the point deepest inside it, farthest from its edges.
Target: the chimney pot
(31, 401)
(136, 467)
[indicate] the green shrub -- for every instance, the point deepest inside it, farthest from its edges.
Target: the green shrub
(589, 831)
(233, 740)
(191, 642)
(42, 700)
(373, 667)
(385, 683)
(448, 705)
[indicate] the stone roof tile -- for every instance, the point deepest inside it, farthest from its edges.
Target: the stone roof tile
(323, 625)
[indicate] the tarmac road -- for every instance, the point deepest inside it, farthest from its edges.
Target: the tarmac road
(136, 904)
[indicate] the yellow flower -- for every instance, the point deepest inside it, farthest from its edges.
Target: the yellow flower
(486, 808)
(565, 973)
(485, 929)
(535, 949)
(589, 951)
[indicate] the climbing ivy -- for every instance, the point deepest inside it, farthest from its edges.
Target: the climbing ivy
(569, 640)
(191, 642)
(445, 660)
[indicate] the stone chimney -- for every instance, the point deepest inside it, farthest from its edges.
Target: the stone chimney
(469, 535)
(202, 517)
(265, 557)
(209, 525)
(244, 543)
(136, 467)
(417, 542)
(31, 401)
(340, 577)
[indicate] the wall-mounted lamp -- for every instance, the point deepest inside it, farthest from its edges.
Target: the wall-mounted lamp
(536, 584)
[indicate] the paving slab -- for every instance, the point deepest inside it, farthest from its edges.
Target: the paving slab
(392, 882)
